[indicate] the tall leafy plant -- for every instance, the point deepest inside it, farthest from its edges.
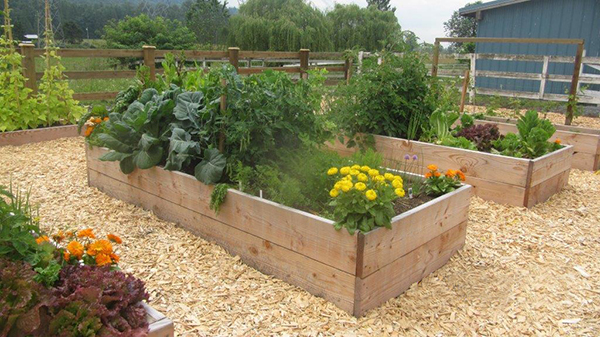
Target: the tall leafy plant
(532, 140)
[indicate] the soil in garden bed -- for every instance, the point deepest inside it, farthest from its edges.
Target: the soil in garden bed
(405, 204)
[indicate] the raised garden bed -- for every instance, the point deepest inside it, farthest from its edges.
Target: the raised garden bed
(585, 141)
(158, 324)
(355, 272)
(507, 180)
(22, 137)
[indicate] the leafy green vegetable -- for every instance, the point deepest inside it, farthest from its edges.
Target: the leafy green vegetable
(210, 170)
(532, 140)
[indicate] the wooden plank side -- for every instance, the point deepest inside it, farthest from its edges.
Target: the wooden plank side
(481, 165)
(22, 137)
(317, 278)
(91, 96)
(396, 277)
(585, 161)
(551, 164)
(305, 233)
(158, 324)
(413, 229)
(547, 188)
(498, 192)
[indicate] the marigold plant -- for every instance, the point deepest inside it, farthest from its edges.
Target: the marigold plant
(437, 184)
(83, 247)
(363, 197)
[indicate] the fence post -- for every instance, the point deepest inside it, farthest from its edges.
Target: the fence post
(464, 91)
(29, 66)
(436, 58)
(361, 55)
(348, 70)
(473, 75)
(149, 60)
(544, 77)
(304, 55)
(234, 57)
(574, 84)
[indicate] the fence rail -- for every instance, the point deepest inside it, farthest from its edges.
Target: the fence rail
(332, 62)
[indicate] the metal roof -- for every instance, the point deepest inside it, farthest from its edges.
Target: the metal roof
(473, 9)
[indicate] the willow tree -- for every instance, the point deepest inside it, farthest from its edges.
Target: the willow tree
(364, 28)
(279, 25)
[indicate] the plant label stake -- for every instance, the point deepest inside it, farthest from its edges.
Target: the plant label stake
(410, 193)
(260, 194)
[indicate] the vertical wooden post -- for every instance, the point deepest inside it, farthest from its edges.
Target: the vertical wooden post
(361, 55)
(473, 75)
(348, 70)
(544, 77)
(574, 84)
(464, 91)
(234, 57)
(304, 55)
(149, 60)
(29, 66)
(436, 58)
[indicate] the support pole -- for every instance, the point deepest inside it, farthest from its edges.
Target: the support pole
(436, 58)
(574, 84)
(234, 57)
(464, 91)
(304, 56)
(29, 66)
(149, 60)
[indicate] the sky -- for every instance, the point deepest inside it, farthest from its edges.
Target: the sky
(424, 17)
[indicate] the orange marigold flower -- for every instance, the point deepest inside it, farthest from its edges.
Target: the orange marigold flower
(66, 256)
(103, 259)
(115, 257)
(41, 239)
(58, 237)
(557, 141)
(105, 119)
(432, 167)
(97, 120)
(100, 247)
(76, 249)
(70, 233)
(436, 174)
(114, 238)
(427, 175)
(450, 173)
(88, 130)
(86, 233)
(461, 175)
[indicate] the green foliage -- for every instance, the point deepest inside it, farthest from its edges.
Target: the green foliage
(73, 32)
(441, 124)
(48, 275)
(532, 140)
(210, 170)
(280, 25)
(393, 99)
(462, 26)
(381, 5)
(208, 20)
(362, 28)
(137, 31)
(217, 197)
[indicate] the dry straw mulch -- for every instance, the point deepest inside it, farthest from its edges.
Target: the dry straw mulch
(554, 117)
(522, 272)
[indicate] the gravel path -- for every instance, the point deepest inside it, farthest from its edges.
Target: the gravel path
(522, 272)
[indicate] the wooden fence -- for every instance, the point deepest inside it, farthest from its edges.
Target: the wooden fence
(300, 63)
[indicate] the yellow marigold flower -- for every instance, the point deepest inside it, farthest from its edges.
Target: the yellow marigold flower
(103, 259)
(400, 192)
(360, 186)
(379, 178)
(461, 175)
(86, 233)
(355, 167)
(432, 167)
(389, 176)
(76, 249)
(347, 186)
(100, 247)
(334, 193)
(397, 183)
(338, 185)
(362, 177)
(397, 177)
(42, 239)
(371, 195)
(365, 168)
(332, 171)
(373, 172)
(348, 178)
(114, 238)
(450, 173)
(345, 171)
(354, 172)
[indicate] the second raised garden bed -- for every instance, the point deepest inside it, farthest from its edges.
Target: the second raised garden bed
(355, 272)
(585, 141)
(22, 137)
(507, 180)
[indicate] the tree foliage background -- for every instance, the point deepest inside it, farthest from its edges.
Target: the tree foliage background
(461, 26)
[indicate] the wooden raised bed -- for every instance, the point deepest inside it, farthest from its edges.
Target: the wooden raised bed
(507, 180)
(158, 324)
(585, 141)
(22, 137)
(355, 272)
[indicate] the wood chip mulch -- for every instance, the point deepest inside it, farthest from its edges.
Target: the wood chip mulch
(522, 272)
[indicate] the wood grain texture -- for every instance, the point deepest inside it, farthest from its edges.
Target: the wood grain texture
(299, 231)
(397, 276)
(22, 137)
(315, 277)
(413, 229)
(547, 188)
(158, 324)
(551, 164)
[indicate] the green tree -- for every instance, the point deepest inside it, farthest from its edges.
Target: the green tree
(208, 20)
(72, 32)
(365, 28)
(382, 5)
(462, 26)
(135, 32)
(281, 25)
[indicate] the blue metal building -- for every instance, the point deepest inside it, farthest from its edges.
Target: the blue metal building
(534, 19)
